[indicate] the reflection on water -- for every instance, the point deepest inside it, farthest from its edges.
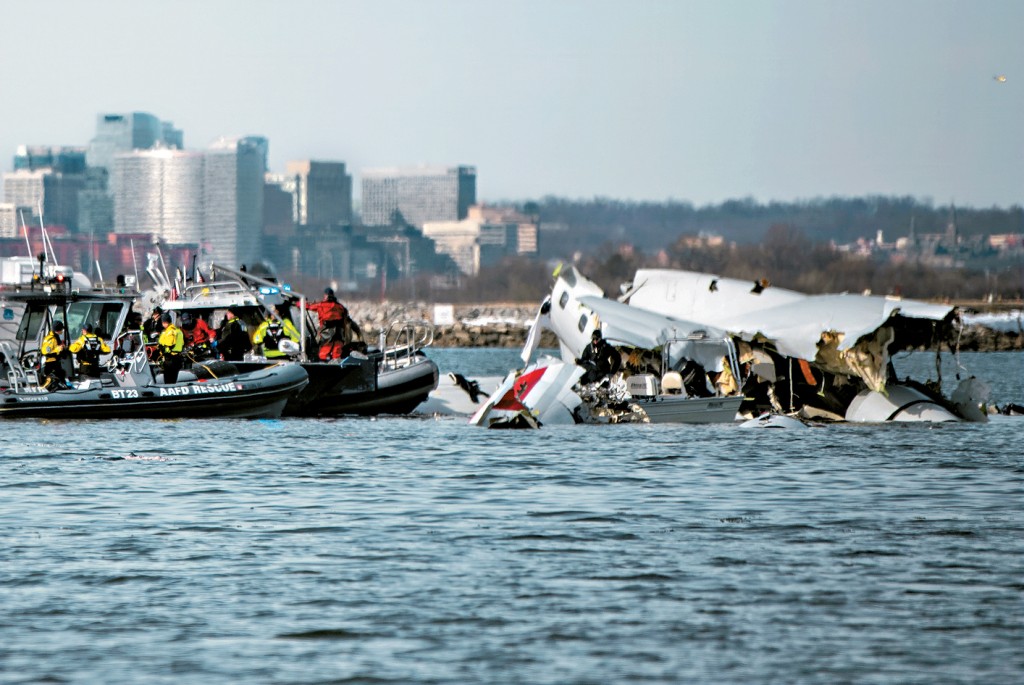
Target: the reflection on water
(404, 550)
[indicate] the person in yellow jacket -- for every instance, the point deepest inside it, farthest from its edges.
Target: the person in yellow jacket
(269, 334)
(171, 344)
(87, 349)
(53, 349)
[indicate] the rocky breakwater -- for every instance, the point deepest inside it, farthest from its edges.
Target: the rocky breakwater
(478, 325)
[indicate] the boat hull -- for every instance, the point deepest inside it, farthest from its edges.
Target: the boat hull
(365, 391)
(676, 409)
(260, 394)
(360, 386)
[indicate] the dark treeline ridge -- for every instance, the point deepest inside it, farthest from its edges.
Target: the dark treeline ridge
(652, 225)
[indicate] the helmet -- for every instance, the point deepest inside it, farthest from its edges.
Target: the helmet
(186, 320)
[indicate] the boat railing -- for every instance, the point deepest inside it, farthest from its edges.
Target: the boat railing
(402, 339)
(21, 379)
(200, 292)
(130, 355)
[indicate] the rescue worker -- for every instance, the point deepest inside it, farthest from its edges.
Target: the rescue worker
(151, 331)
(232, 338)
(336, 326)
(199, 337)
(599, 359)
(87, 349)
(267, 337)
(53, 349)
(172, 344)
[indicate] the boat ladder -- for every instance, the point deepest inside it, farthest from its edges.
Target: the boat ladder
(20, 378)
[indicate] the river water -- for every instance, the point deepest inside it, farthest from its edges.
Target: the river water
(404, 550)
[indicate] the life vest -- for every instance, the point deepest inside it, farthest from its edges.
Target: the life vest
(172, 341)
(51, 347)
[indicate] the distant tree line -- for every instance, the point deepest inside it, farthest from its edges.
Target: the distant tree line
(653, 225)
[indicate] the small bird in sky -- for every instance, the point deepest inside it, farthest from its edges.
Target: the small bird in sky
(1000, 78)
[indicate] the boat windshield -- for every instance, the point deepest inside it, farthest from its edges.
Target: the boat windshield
(102, 315)
(31, 322)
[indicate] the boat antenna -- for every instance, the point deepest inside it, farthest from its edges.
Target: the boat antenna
(163, 264)
(46, 236)
(24, 230)
(135, 264)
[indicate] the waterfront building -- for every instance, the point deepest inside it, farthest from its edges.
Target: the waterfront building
(419, 194)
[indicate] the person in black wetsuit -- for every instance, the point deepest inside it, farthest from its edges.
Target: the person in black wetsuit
(599, 359)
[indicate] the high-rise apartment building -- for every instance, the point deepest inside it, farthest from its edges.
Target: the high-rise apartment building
(323, 192)
(421, 194)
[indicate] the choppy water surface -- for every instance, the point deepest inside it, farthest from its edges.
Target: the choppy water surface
(428, 551)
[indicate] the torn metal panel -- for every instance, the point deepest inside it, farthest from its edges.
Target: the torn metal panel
(542, 394)
(647, 330)
(844, 333)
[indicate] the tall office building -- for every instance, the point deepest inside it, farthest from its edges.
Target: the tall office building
(323, 192)
(95, 204)
(421, 194)
(50, 178)
(160, 192)
(233, 216)
(213, 198)
(24, 187)
(120, 133)
(60, 158)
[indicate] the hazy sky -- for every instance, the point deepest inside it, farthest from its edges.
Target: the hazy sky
(631, 99)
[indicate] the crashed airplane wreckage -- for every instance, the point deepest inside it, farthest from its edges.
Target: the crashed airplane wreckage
(736, 346)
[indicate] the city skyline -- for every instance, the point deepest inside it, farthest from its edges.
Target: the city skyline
(697, 102)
